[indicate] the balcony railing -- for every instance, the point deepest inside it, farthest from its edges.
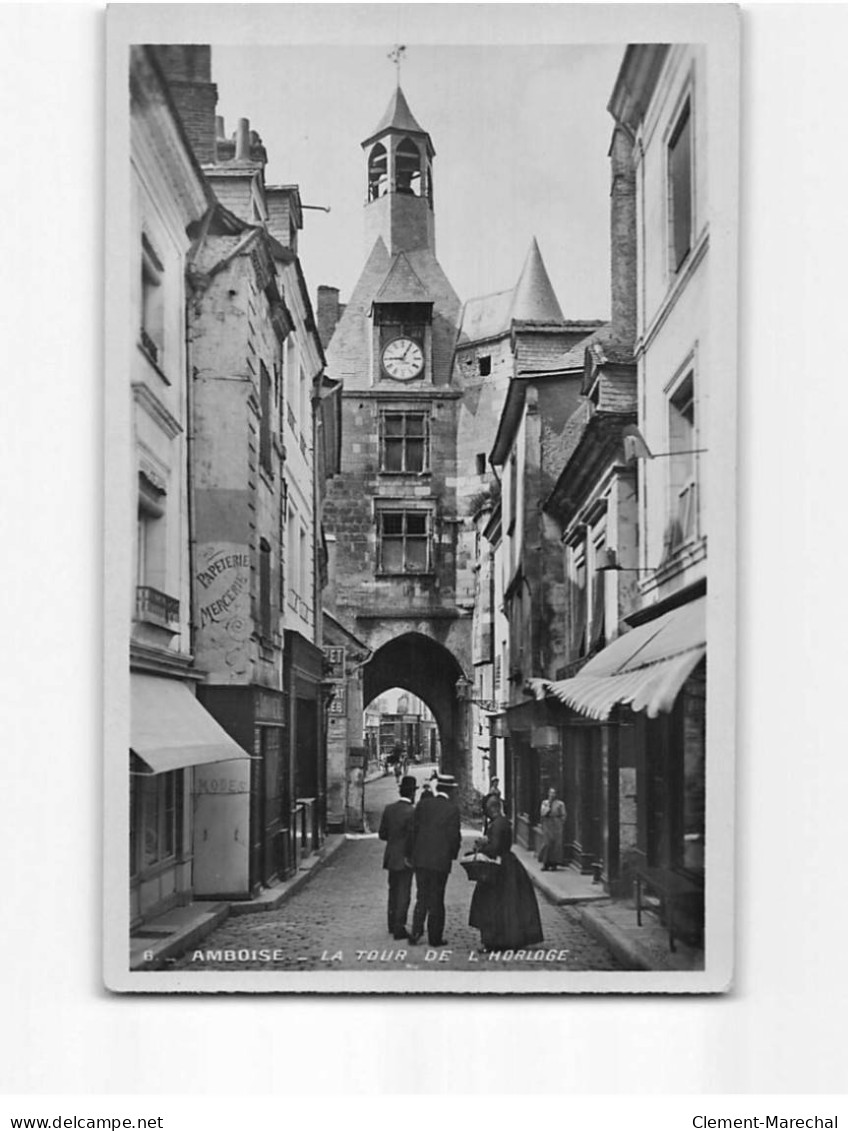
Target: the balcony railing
(157, 608)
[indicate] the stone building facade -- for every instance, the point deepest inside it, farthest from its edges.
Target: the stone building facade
(257, 397)
(174, 742)
(629, 702)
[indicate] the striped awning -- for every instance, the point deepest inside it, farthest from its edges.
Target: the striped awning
(644, 669)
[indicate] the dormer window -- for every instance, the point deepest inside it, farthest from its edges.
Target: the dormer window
(408, 168)
(378, 172)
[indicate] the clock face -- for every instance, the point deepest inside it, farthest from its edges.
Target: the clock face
(403, 359)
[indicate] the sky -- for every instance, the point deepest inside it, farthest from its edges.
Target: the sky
(521, 137)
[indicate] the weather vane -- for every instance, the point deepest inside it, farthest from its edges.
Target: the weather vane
(396, 55)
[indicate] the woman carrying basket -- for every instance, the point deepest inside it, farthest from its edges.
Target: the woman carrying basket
(503, 908)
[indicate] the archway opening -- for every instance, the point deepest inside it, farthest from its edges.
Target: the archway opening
(408, 168)
(428, 670)
(378, 172)
(401, 733)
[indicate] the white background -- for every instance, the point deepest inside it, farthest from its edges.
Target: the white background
(783, 1029)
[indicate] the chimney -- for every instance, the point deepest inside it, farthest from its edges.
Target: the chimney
(623, 237)
(243, 140)
(188, 70)
(284, 214)
(328, 313)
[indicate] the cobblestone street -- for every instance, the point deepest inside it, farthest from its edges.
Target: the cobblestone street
(338, 921)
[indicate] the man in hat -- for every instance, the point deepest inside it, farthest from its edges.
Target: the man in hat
(396, 829)
(436, 844)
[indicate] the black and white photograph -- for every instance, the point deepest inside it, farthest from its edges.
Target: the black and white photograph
(421, 387)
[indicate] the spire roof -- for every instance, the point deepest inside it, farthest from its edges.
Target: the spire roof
(397, 117)
(534, 299)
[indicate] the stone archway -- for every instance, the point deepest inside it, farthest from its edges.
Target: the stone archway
(426, 668)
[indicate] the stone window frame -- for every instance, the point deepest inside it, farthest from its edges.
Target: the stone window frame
(406, 508)
(404, 411)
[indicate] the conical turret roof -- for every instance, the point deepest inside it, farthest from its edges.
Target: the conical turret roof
(534, 299)
(398, 117)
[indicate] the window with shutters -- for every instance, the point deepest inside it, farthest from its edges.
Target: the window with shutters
(680, 187)
(577, 595)
(265, 622)
(265, 419)
(513, 492)
(152, 328)
(597, 618)
(682, 525)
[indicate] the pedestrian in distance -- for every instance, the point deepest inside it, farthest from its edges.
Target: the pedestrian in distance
(396, 829)
(503, 907)
(494, 791)
(436, 844)
(552, 819)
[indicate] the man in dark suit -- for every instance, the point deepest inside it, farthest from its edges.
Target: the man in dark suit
(436, 845)
(396, 829)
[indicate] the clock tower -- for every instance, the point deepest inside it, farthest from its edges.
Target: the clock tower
(391, 515)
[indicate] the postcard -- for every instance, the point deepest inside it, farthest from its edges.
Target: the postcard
(421, 498)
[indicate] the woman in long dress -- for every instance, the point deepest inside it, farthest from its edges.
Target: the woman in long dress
(505, 912)
(552, 816)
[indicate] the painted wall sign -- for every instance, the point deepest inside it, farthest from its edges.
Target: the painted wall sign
(338, 704)
(222, 587)
(221, 828)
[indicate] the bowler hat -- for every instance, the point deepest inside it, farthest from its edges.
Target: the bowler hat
(408, 784)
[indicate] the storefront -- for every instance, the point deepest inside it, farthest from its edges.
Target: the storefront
(303, 674)
(255, 717)
(179, 756)
(634, 752)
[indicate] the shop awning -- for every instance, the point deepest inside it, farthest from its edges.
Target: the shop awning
(644, 669)
(170, 730)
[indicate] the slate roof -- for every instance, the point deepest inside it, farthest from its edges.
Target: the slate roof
(532, 299)
(486, 316)
(401, 284)
(397, 117)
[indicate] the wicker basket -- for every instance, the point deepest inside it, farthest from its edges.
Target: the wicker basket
(481, 869)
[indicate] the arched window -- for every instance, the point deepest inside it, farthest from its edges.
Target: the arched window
(408, 168)
(378, 172)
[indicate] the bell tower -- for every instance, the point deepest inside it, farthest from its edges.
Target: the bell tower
(399, 183)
